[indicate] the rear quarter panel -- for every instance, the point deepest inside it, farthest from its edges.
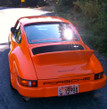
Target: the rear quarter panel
(96, 65)
(19, 57)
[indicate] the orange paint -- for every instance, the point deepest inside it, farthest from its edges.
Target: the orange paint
(52, 69)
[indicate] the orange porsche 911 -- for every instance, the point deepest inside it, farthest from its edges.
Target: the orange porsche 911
(48, 58)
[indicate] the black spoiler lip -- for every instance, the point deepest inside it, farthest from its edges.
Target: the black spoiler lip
(57, 48)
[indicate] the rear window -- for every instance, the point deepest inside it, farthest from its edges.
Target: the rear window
(50, 32)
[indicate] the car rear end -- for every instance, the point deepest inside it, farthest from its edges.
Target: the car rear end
(62, 86)
(63, 64)
(63, 72)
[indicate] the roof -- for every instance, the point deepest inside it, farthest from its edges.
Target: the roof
(36, 19)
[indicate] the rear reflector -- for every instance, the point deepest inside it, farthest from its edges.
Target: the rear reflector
(98, 75)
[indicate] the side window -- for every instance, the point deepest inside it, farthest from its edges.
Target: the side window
(18, 36)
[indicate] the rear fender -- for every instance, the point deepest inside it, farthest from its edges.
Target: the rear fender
(95, 64)
(23, 64)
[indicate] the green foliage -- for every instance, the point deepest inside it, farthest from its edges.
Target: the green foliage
(10, 3)
(89, 9)
(65, 2)
(17, 3)
(90, 18)
(95, 16)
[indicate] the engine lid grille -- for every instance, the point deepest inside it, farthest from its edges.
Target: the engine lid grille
(56, 48)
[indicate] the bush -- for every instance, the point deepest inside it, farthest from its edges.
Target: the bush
(10, 3)
(17, 3)
(94, 15)
(89, 16)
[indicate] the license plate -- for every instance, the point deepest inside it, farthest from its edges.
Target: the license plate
(68, 90)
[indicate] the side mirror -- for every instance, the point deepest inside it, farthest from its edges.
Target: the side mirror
(13, 29)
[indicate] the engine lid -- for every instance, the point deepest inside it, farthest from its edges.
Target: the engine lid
(50, 65)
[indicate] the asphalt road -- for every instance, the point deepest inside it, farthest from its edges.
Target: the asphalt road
(10, 99)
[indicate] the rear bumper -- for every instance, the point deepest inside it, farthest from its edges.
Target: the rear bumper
(53, 91)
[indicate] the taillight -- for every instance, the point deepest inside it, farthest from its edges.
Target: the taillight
(28, 83)
(98, 75)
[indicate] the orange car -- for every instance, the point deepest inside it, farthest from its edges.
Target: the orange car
(48, 58)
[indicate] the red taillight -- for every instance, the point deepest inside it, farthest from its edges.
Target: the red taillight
(33, 83)
(99, 75)
(28, 83)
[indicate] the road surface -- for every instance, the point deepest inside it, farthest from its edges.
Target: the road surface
(10, 99)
